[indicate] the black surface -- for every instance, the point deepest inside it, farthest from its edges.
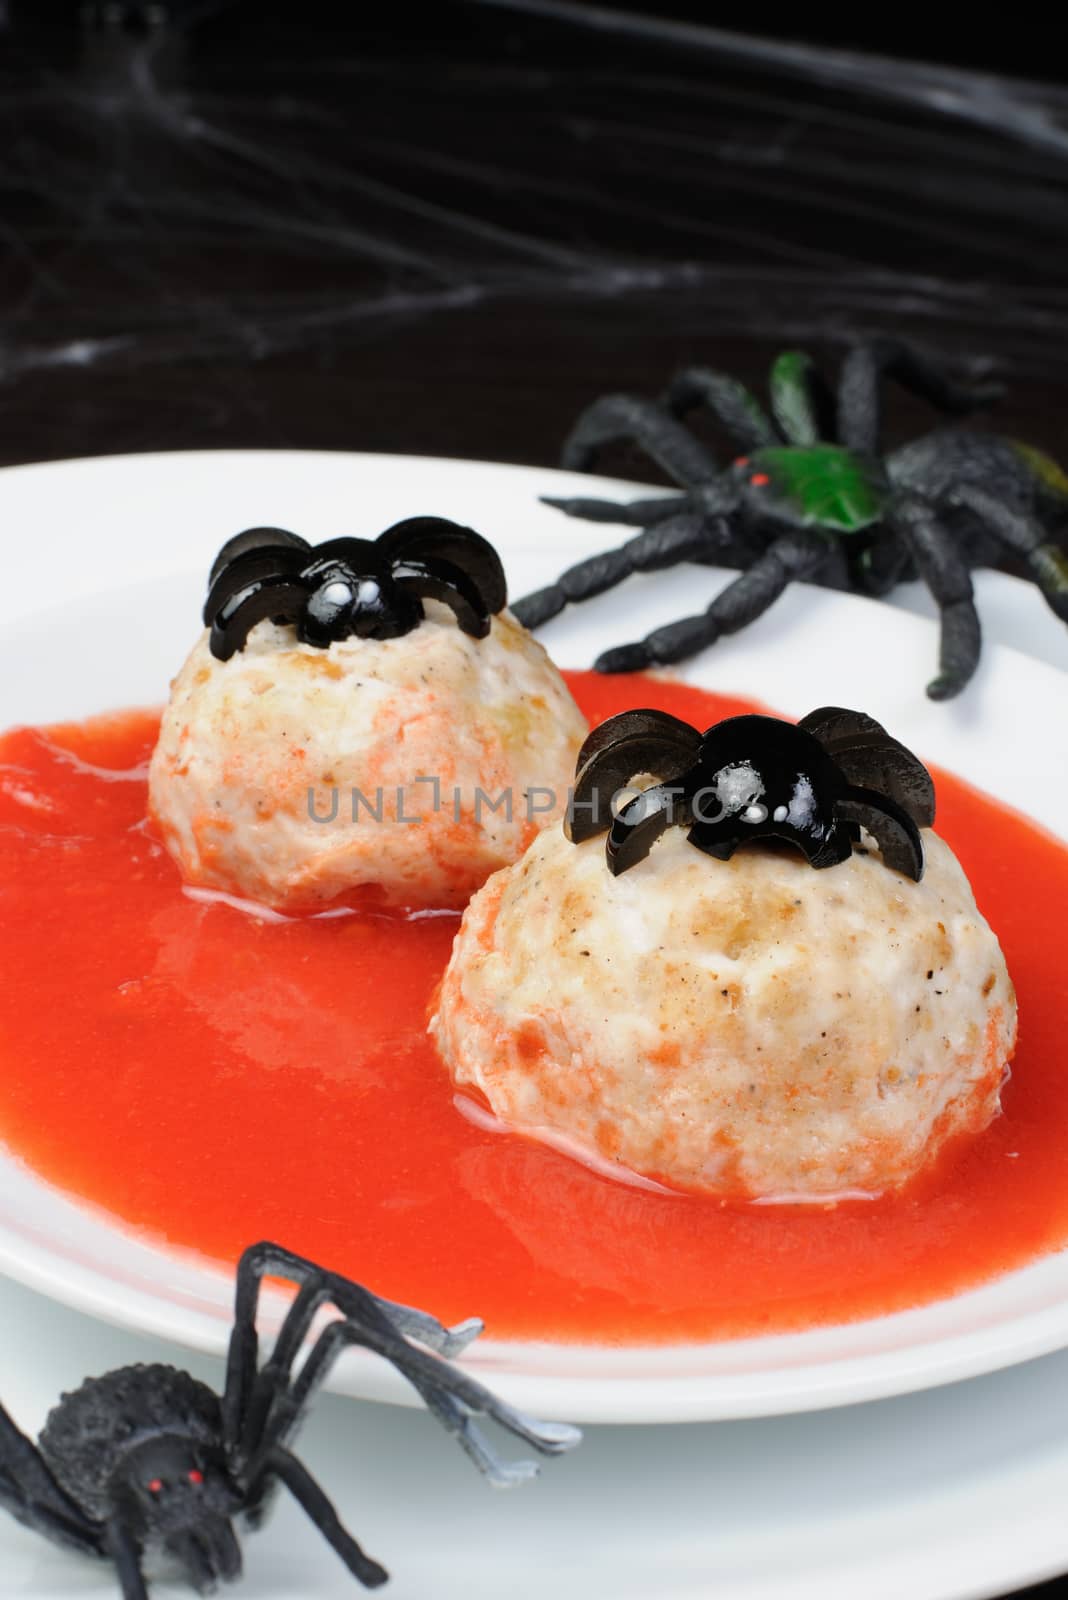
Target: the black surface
(444, 231)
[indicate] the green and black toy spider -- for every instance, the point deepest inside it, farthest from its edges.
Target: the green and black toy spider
(813, 497)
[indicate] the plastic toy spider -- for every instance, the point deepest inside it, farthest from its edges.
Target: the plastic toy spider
(751, 778)
(371, 588)
(813, 497)
(147, 1458)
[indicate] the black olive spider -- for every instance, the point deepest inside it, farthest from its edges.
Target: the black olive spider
(813, 497)
(373, 589)
(749, 778)
(148, 1459)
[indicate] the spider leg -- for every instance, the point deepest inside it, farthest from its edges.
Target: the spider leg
(1024, 536)
(683, 538)
(125, 1552)
(667, 735)
(618, 417)
(33, 1497)
(642, 821)
(895, 832)
(270, 1398)
(428, 1330)
(728, 400)
(629, 743)
(430, 539)
(256, 565)
(871, 759)
(631, 513)
(427, 577)
(860, 398)
(255, 540)
(318, 1287)
(259, 599)
(801, 399)
(442, 1405)
(793, 556)
(270, 1383)
(278, 1463)
(451, 1395)
(944, 570)
(880, 567)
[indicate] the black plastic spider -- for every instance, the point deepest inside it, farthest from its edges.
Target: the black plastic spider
(814, 498)
(373, 588)
(750, 778)
(147, 1458)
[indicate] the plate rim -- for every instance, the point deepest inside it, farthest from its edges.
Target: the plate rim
(622, 1396)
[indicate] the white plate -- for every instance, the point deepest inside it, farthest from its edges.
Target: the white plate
(108, 556)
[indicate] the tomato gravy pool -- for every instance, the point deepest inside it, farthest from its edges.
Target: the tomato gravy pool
(211, 1078)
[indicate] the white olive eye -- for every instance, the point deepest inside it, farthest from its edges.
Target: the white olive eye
(781, 813)
(369, 593)
(337, 593)
(754, 814)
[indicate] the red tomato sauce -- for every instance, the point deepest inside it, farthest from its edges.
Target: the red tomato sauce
(210, 1079)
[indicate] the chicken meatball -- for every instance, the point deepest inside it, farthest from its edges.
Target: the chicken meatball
(751, 1029)
(404, 770)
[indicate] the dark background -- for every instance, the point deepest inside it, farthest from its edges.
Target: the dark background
(444, 230)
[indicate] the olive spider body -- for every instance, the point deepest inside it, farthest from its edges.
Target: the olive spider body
(812, 786)
(352, 588)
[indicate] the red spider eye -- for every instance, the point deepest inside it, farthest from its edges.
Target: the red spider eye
(195, 1476)
(742, 461)
(759, 479)
(154, 1485)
